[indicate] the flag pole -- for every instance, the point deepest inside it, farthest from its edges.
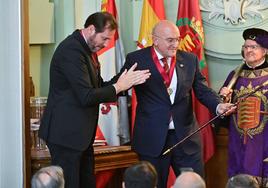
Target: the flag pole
(213, 119)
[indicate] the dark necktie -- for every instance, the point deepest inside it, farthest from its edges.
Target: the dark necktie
(166, 67)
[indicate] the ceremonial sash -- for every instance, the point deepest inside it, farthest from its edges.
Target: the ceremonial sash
(167, 78)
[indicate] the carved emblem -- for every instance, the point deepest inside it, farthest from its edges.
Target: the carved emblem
(248, 113)
(233, 11)
(250, 120)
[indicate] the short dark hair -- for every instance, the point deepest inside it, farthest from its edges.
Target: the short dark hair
(140, 175)
(101, 21)
(242, 180)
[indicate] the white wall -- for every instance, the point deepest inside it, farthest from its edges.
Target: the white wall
(11, 95)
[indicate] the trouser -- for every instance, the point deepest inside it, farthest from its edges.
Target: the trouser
(177, 159)
(78, 166)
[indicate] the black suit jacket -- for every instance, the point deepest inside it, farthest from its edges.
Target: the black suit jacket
(75, 92)
(154, 107)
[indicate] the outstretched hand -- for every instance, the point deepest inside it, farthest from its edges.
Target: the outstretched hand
(226, 108)
(130, 78)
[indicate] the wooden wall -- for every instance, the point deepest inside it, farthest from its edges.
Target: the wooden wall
(216, 167)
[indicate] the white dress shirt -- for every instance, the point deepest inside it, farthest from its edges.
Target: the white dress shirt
(173, 84)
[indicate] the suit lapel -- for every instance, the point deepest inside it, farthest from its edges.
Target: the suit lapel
(159, 79)
(94, 75)
(152, 67)
(180, 65)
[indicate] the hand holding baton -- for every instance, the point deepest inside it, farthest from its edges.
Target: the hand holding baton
(226, 112)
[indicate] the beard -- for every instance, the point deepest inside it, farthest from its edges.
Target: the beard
(92, 44)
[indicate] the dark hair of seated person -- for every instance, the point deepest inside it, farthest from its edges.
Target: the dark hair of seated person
(140, 175)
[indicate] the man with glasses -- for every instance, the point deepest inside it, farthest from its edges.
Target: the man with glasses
(248, 130)
(164, 113)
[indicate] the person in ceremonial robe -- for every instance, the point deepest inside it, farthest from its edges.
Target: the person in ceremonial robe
(248, 130)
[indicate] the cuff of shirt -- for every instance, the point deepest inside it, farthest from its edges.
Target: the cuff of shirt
(222, 116)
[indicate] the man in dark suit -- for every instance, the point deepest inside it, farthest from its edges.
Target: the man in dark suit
(76, 89)
(164, 113)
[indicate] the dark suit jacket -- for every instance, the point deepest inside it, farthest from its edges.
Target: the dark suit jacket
(154, 106)
(75, 92)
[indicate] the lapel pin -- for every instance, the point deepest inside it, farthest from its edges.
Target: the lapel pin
(181, 65)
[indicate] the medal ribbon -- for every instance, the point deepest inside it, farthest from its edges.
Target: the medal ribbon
(167, 78)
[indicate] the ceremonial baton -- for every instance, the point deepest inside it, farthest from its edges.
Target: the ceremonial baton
(214, 118)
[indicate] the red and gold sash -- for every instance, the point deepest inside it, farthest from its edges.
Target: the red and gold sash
(167, 78)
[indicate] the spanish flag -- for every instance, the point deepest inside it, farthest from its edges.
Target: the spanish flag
(152, 12)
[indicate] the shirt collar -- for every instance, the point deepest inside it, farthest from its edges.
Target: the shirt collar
(159, 56)
(256, 65)
(81, 31)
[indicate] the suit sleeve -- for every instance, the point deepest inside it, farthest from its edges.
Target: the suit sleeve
(204, 94)
(74, 66)
(127, 65)
(224, 122)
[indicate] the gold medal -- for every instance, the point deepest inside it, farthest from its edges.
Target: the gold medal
(170, 91)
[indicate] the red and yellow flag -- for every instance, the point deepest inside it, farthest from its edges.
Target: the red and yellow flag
(189, 22)
(109, 6)
(152, 12)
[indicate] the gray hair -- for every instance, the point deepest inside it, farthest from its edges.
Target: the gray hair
(189, 180)
(242, 180)
(48, 177)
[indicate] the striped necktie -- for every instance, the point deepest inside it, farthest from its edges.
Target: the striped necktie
(166, 67)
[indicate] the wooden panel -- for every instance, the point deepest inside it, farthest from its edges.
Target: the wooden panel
(216, 167)
(106, 158)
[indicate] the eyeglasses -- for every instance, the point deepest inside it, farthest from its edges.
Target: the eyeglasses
(250, 47)
(169, 40)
